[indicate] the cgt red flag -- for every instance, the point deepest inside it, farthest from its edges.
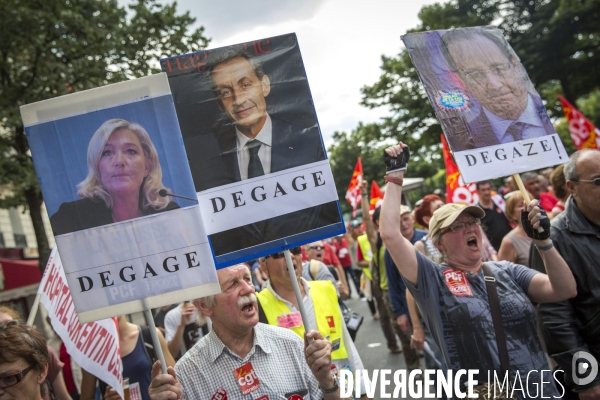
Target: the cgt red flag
(376, 196)
(353, 192)
(584, 134)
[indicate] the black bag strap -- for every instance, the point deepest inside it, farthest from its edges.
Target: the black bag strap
(148, 344)
(490, 283)
(262, 317)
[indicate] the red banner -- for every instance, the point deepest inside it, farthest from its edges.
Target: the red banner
(584, 134)
(376, 196)
(353, 192)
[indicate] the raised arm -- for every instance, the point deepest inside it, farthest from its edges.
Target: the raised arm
(401, 250)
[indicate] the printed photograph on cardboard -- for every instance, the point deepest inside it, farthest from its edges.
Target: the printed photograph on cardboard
(246, 112)
(111, 165)
(478, 87)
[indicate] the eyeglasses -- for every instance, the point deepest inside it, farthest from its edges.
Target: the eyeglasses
(12, 380)
(317, 247)
(481, 76)
(462, 226)
(295, 251)
(596, 181)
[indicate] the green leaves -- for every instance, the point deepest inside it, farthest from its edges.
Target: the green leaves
(52, 48)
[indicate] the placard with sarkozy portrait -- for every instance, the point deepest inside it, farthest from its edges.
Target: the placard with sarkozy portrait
(493, 118)
(254, 147)
(108, 161)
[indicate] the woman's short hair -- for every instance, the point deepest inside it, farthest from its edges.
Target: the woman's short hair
(92, 186)
(511, 204)
(22, 341)
(424, 209)
(557, 179)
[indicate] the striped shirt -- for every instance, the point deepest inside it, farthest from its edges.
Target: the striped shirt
(207, 370)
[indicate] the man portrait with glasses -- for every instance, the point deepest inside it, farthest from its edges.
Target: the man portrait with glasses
(510, 109)
(23, 362)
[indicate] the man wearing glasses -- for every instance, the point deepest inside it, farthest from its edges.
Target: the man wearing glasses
(489, 69)
(570, 328)
(279, 307)
(23, 362)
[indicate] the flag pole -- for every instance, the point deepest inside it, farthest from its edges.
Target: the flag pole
(34, 309)
(290, 266)
(526, 198)
(155, 340)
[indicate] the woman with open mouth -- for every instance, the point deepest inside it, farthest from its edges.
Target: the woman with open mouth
(474, 329)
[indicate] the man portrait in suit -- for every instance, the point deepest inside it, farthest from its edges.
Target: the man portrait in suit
(252, 142)
(489, 69)
(251, 138)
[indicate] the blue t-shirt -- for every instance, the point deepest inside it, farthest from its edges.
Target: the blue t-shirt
(396, 287)
(462, 326)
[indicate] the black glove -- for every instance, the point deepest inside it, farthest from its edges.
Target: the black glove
(396, 163)
(534, 233)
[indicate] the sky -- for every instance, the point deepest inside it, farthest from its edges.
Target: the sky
(341, 41)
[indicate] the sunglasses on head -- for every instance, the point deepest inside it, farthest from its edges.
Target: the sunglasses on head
(317, 247)
(596, 181)
(295, 251)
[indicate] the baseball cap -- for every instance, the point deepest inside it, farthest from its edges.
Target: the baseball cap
(444, 216)
(404, 209)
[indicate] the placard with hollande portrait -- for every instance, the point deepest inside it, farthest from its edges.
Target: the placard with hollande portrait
(494, 120)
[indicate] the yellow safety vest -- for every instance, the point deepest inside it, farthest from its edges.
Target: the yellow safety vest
(327, 313)
(365, 249)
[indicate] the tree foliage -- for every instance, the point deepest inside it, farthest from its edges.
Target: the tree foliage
(558, 42)
(53, 48)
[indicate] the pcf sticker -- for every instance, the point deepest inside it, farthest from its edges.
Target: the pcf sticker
(457, 283)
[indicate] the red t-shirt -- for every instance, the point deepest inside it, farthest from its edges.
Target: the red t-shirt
(67, 373)
(329, 257)
(547, 201)
(343, 253)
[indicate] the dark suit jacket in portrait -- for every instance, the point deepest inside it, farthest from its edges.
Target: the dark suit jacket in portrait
(89, 213)
(467, 135)
(214, 162)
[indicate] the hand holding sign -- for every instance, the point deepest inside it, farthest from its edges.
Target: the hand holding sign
(533, 219)
(164, 386)
(318, 357)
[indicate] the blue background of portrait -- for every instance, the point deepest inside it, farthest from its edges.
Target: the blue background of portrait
(59, 148)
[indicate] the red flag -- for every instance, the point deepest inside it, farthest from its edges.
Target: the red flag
(456, 190)
(376, 196)
(584, 134)
(353, 192)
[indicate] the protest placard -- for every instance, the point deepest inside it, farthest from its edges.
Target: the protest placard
(94, 345)
(494, 120)
(255, 148)
(108, 160)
